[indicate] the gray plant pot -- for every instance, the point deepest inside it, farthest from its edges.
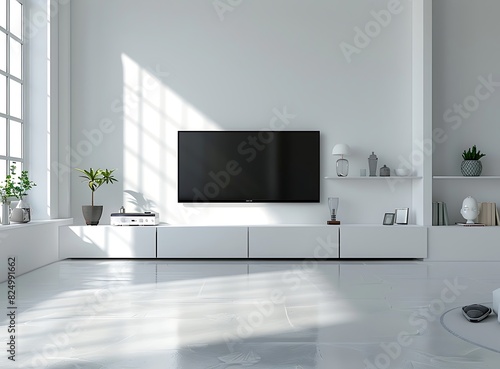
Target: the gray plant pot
(92, 214)
(471, 168)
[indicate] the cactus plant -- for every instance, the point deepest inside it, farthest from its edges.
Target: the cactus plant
(472, 154)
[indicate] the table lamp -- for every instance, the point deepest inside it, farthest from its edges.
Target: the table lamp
(333, 205)
(342, 164)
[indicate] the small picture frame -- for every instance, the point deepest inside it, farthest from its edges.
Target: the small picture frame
(401, 216)
(389, 219)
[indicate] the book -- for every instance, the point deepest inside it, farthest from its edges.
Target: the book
(445, 215)
(485, 209)
(439, 214)
(481, 218)
(486, 213)
(470, 224)
(434, 214)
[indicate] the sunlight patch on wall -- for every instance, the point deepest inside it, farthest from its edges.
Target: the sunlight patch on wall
(153, 114)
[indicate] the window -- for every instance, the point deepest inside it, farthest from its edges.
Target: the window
(11, 84)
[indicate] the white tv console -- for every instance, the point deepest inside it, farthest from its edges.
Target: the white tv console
(294, 241)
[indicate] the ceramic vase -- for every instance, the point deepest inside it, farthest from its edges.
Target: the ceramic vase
(92, 214)
(471, 168)
(372, 164)
(5, 213)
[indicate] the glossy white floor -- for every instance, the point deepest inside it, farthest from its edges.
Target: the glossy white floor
(231, 314)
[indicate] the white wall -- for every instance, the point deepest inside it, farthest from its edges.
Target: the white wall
(40, 136)
(141, 71)
(46, 129)
(465, 53)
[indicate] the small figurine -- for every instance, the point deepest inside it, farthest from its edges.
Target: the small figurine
(469, 209)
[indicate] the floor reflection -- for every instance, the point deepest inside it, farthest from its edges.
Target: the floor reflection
(232, 314)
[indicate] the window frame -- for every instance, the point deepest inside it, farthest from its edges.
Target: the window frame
(9, 36)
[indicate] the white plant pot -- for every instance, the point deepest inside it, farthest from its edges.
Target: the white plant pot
(5, 213)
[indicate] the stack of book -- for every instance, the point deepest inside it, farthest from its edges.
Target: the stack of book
(439, 214)
(488, 214)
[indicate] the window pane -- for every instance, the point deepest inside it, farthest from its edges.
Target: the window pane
(16, 139)
(16, 99)
(3, 18)
(16, 58)
(3, 139)
(3, 168)
(3, 94)
(3, 51)
(16, 18)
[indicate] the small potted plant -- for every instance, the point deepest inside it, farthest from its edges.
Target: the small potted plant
(95, 179)
(16, 189)
(471, 166)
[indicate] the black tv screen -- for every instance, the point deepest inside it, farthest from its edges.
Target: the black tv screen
(248, 166)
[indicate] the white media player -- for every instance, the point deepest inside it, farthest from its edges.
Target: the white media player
(135, 219)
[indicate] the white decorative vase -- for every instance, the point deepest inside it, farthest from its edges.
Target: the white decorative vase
(496, 301)
(5, 213)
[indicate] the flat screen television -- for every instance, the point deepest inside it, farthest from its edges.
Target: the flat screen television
(248, 166)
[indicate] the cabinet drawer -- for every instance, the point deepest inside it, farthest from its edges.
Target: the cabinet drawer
(395, 242)
(202, 242)
(107, 242)
(305, 242)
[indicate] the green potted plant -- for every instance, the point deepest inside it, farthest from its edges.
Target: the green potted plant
(471, 166)
(95, 179)
(11, 189)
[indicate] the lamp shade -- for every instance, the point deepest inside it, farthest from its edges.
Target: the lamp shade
(341, 149)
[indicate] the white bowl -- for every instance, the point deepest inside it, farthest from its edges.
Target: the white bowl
(402, 172)
(496, 301)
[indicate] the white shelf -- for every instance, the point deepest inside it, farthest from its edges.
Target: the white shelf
(58, 222)
(368, 178)
(464, 177)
